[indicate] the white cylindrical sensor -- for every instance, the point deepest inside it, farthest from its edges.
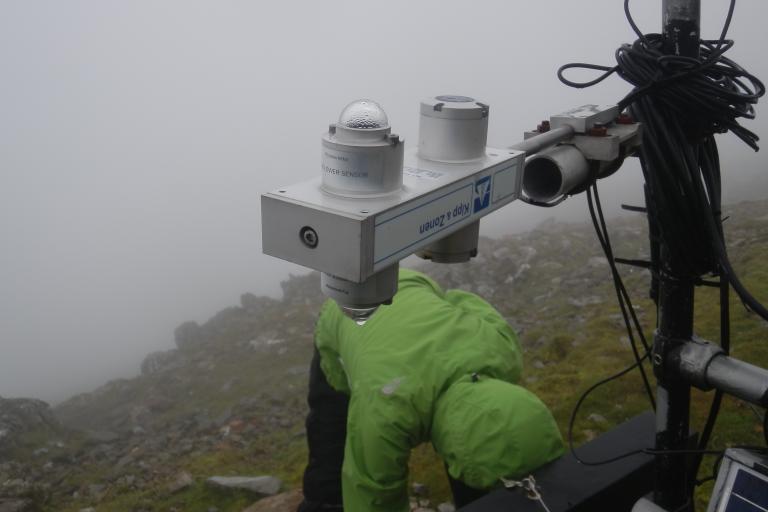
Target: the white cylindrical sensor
(360, 155)
(453, 129)
(361, 300)
(458, 247)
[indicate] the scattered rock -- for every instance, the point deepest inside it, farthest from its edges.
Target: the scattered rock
(187, 335)
(521, 270)
(298, 370)
(528, 253)
(15, 487)
(102, 436)
(253, 304)
(285, 502)
(268, 485)
(97, 491)
(302, 289)
(182, 481)
(126, 481)
(15, 505)
(21, 415)
(144, 425)
(585, 301)
(157, 362)
(597, 418)
(224, 418)
(420, 490)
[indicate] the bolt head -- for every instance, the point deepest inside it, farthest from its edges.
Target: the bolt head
(597, 131)
(308, 237)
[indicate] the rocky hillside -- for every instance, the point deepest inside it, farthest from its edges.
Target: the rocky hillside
(229, 400)
(20, 416)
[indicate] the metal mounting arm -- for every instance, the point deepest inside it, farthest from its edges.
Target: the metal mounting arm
(706, 366)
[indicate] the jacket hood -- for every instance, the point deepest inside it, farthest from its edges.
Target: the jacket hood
(488, 429)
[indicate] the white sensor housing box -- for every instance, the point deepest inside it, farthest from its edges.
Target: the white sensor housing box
(358, 237)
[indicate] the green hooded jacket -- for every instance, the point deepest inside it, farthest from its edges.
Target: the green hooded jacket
(436, 366)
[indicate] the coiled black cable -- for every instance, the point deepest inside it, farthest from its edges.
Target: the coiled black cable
(683, 102)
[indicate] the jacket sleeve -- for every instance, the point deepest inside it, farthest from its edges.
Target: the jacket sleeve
(375, 470)
(327, 344)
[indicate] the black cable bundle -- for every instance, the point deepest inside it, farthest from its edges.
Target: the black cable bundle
(683, 102)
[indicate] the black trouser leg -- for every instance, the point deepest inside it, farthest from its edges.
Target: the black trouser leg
(462, 493)
(326, 435)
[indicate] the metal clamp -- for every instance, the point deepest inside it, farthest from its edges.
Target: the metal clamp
(693, 359)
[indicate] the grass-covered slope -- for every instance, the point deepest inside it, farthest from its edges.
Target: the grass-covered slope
(231, 398)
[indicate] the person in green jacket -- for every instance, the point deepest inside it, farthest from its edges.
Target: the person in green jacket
(435, 365)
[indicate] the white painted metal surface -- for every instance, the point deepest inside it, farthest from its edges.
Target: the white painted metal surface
(357, 237)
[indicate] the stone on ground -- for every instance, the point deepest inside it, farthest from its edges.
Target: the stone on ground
(182, 481)
(285, 502)
(15, 505)
(268, 485)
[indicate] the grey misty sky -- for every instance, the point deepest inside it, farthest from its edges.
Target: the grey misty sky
(136, 138)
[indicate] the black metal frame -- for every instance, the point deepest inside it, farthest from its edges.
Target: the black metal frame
(679, 362)
(675, 302)
(568, 486)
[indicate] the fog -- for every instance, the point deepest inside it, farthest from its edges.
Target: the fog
(136, 138)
